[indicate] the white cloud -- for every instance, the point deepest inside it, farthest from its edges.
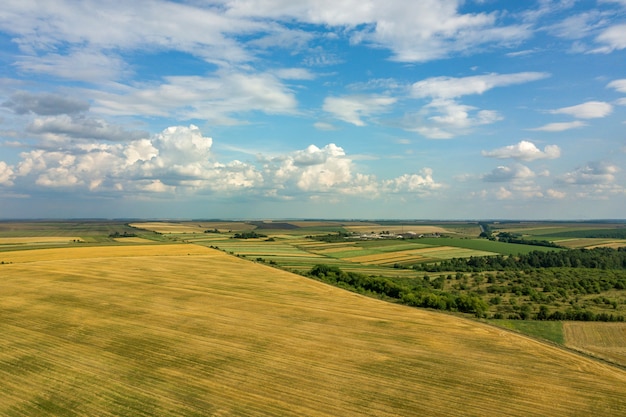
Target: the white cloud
(578, 26)
(313, 169)
(324, 126)
(295, 74)
(80, 65)
(594, 173)
(147, 24)
(6, 174)
(213, 98)
(351, 109)
(555, 194)
(560, 127)
(180, 160)
(445, 117)
(517, 172)
(503, 194)
(613, 37)
(450, 87)
(525, 151)
(619, 85)
(588, 110)
(413, 183)
(415, 32)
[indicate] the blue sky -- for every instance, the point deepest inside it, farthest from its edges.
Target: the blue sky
(437, 109)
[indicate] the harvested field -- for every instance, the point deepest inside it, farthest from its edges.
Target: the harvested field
(575, 243)
(97, 252)
(604, 340)
(439, 252)
(613, 245)
(38, 239)
(134, 332)
(192, 227)
(133, 240)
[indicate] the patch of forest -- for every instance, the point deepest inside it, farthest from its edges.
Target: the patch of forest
(415, 293)
(578, 284)
(597, 258)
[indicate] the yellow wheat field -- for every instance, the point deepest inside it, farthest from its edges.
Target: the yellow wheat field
(183, 330)
(100, 252)
(133, 240)
(605, 340)
(38, 239)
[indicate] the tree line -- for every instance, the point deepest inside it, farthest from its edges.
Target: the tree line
(416, 293)
(597, 258)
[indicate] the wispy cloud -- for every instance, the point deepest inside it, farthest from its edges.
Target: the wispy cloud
(619, 85)
(44, 104)
(450, 87)
(560, 127)
(588, 110)
(352, 109)
(613, 38)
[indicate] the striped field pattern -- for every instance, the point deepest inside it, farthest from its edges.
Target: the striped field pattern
(604, 340)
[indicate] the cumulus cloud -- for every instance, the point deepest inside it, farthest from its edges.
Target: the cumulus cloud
(525, 151)
(6, 174)
(177, 159)
(180, 160)
(351, 109)
(44, 104)
(594, 173)
(517, 172)
(312, 169)
(413, 183)
(588, 110)
(560, 127)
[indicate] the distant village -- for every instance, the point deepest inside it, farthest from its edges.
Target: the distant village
(390, 235)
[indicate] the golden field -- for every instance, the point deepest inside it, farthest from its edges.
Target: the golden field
(99, 252)
(183, 330)
(603, 340)
(38, 239)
